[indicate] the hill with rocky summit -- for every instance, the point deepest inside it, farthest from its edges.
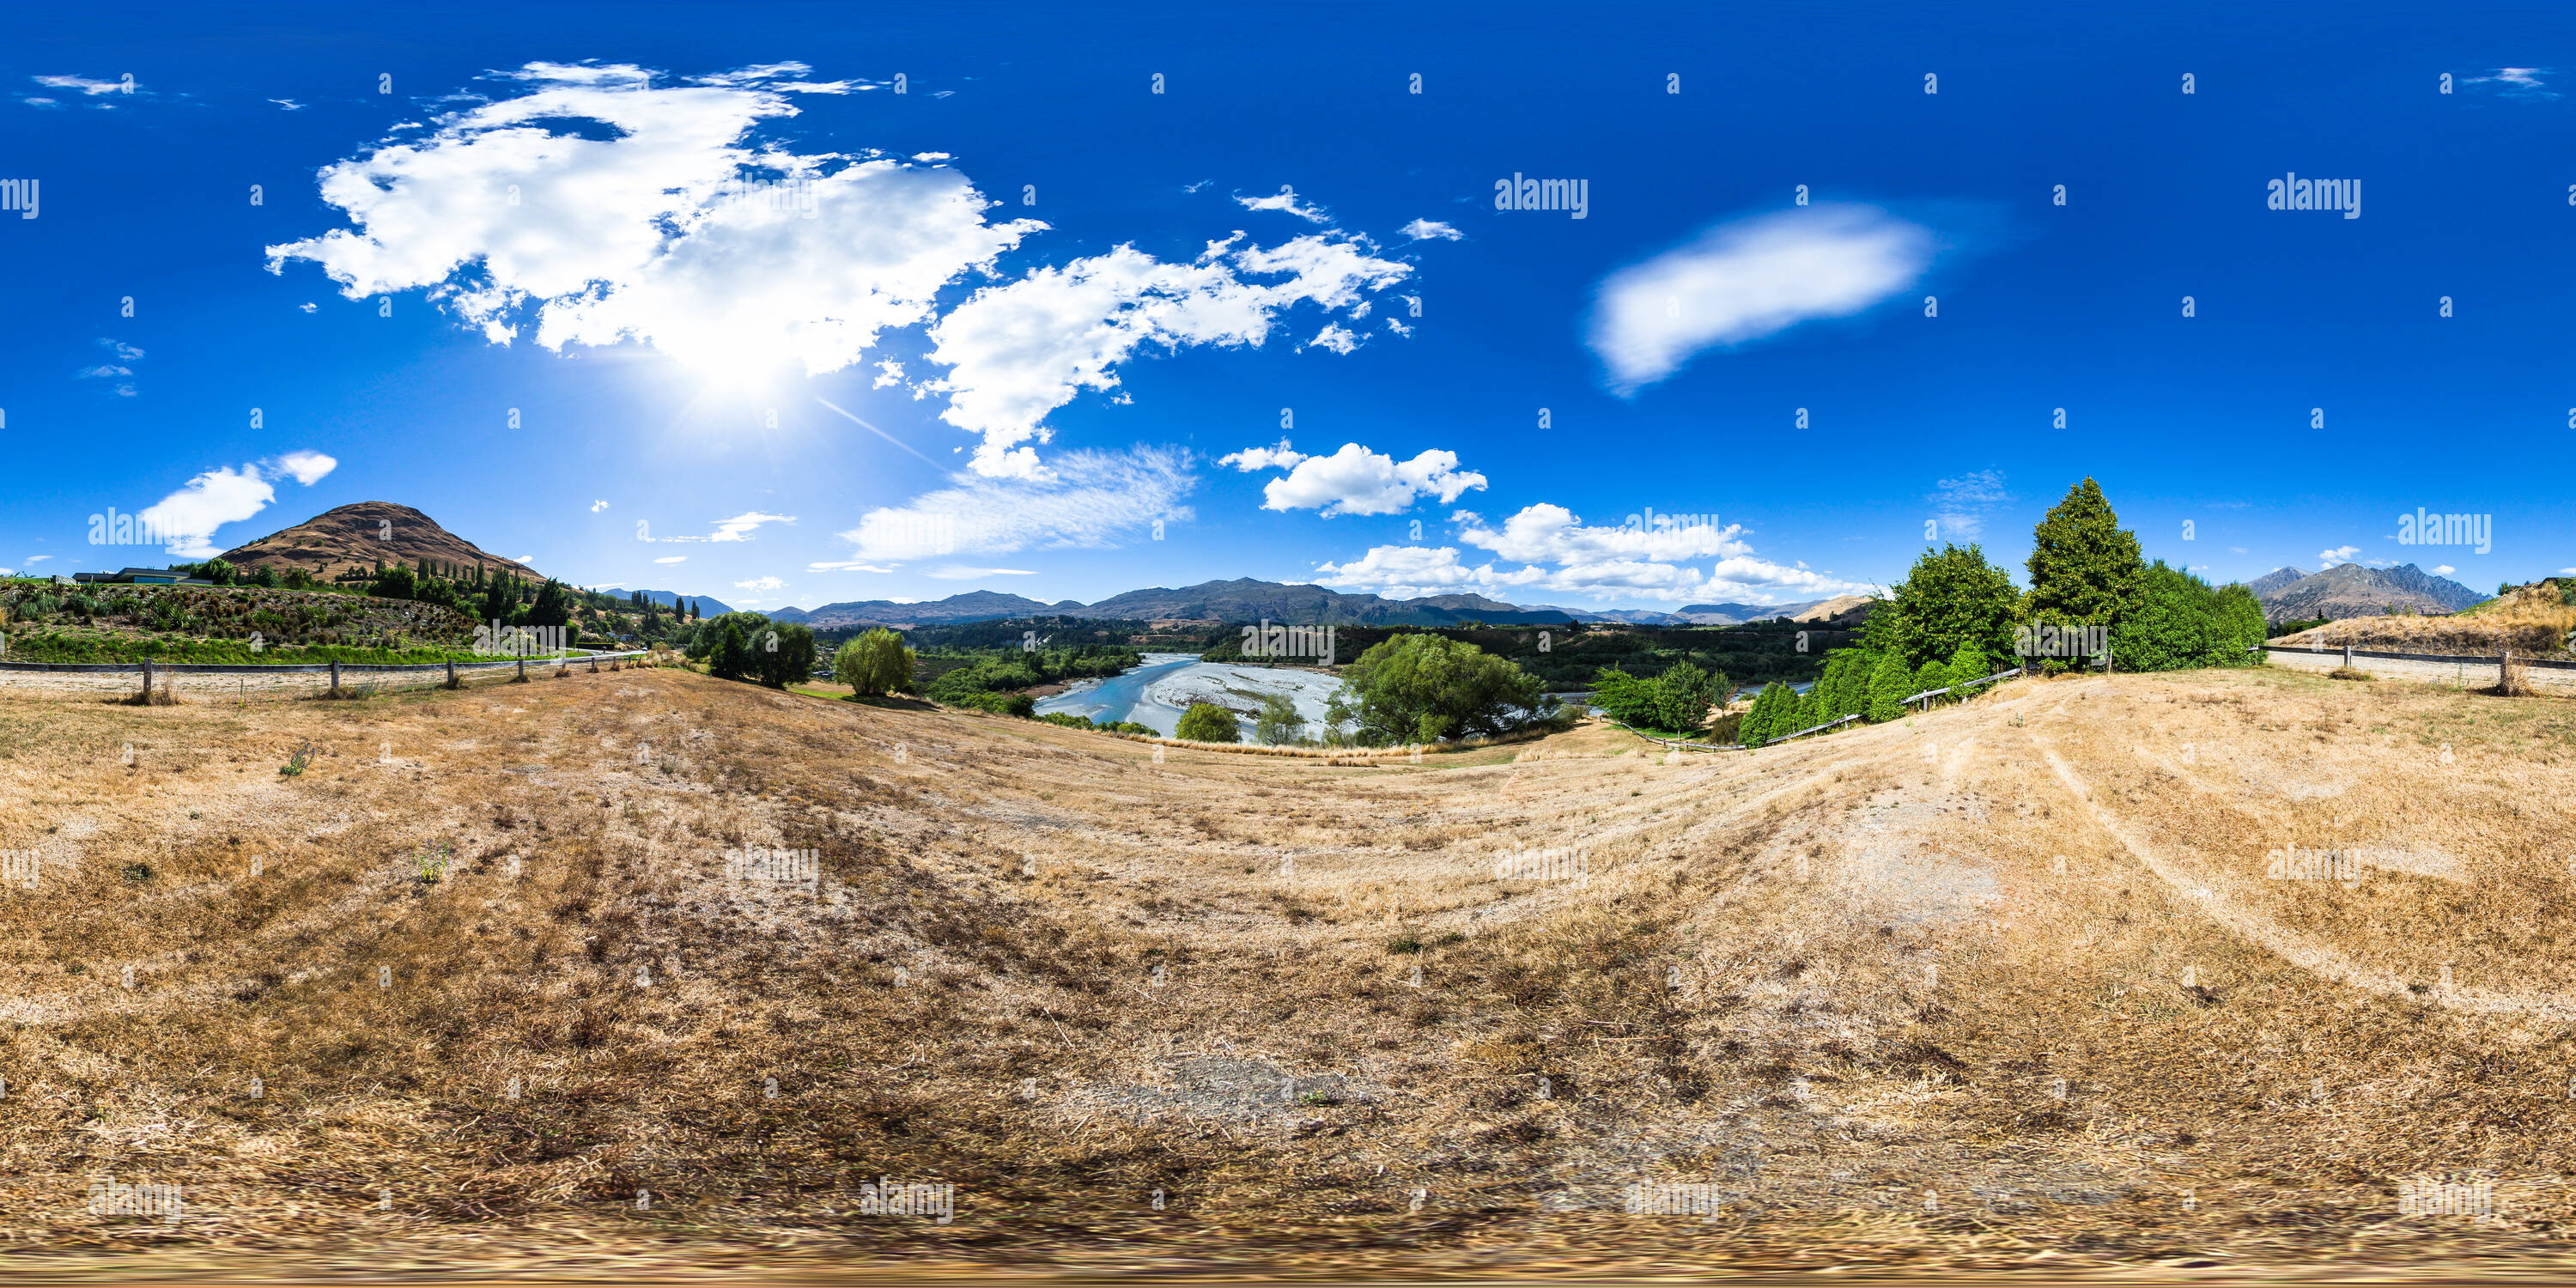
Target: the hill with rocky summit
(2351, 590)
(364, 535)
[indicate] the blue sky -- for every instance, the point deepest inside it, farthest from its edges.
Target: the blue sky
(1102, 311)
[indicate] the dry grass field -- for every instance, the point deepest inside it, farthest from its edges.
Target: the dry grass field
(2002, 987)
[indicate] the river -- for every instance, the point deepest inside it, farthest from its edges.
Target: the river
(1157, 692)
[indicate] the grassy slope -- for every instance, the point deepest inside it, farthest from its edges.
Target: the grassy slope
(1826, 977)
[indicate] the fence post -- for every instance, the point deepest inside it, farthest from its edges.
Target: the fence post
(2347, 657)
(335, 675)
(147, 679)
(451, 673)
(523, 669)
(2504, 672)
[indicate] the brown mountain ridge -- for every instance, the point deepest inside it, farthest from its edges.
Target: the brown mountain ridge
(363, 535)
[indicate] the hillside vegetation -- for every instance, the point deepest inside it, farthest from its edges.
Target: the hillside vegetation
(2534, 621)
(2006, 984)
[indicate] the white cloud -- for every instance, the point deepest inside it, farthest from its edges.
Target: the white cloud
(309, 308)
(649, 235)
(1091, 499)
(672, 559)
(1426, 229)
(304, 466)
(889, 373)
(1017, 352)
(960, 572)
(288, 103)
(33, 560)
(1262, 458)
(1748, 279)
(849, 566)
(1630, 561)
(93, 88)
(2516, 82)
(1286, 203)
(1335, 337)
(2340, 554)
(741, 526)
(1354, 480)
(1960, 504)
(523, 559)
(2567, 572)
(2444, 570)
(219, 496)
(760, 583)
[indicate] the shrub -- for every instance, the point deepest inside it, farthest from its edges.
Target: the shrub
(1279, 723)
(218, 571)
(1773, 714)
(1968, 664)
(2179, 621)
(1207, 722)
(1683, 695)
(1002, 704)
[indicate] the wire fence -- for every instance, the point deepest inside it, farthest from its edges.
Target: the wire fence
(279, 681)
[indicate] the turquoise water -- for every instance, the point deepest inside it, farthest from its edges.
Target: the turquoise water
(1116, 697)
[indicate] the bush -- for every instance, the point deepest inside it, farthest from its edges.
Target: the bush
(2179, 621)
(1278, 724)
(1207, 722)
(1773, 714)
(1683, 695)
(877, 663)
(396, 582)
(218, 571)
(1000, 704)
(1969, 664)
(1425, 688)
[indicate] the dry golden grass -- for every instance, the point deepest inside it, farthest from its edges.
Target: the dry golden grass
(2532, 621)
(1827, 977)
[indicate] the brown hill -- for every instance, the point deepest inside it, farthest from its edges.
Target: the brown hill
(363, 535)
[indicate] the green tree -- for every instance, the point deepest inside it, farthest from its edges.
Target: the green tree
(1279, 723)
(1776, 704)
(875, 663)
(393, 583)
(1843, 690)
(1628, 699)
(551, 608)
(730, 657)
(1951, 597)
(1969, 663)
(1889, 685)
(1682, 696)
(1423, 688)
(1932, 675)
(1207, 722)
(218, 571)
(263, 575)
(782, 654)
(2084, 567)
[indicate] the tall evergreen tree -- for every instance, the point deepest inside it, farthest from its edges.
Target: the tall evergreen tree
(1890, 683)
(2084, 567)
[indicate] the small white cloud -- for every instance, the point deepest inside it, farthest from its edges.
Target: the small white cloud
(2340, 554)
(848, 566)
(1286, 203)
(2515, 82)
(2444, 570)
(760, 583)
(672, 559)
(288, 103)
(1200, 186)
(1263, 458)
(1430, 229)
(1959, 505)
(1745, 280)
(960, 572)
(85, 85)
(523, 559)
(597, 506)
(308, 307)
(33, 560)
(2567, 572)
(2236, 550)
(741, 526)
(1336, 338)
(304, 466)
(1356, 480)
(889, 373)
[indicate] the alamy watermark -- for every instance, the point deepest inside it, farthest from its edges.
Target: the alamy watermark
(2294, 193)
(2427, 1196)
(19, 195)
(2044, 640)
(19, 868)
(492, 639)
(110, 1197)
(1653, 522)
(1272, 640)
(2424, 528)
(1658, 1199)
(789, 196)
(934, 1199)
(774, 867)
(117, 528)
(1564, 863)
(1571, 195)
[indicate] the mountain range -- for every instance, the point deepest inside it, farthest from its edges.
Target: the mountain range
(2351, 590)
(1248, 600)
